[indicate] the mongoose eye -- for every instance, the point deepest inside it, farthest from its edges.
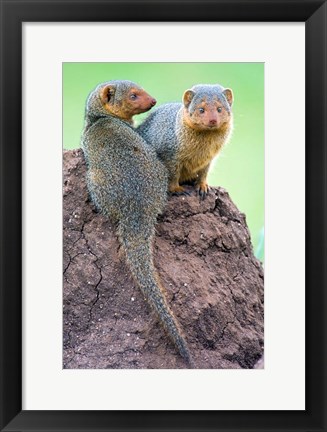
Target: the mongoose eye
(219, 109)
(201, 110)
(133, 96)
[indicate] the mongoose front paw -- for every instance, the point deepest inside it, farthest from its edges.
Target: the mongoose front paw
(203, 190)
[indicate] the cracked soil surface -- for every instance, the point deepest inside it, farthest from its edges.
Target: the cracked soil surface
(212, 281)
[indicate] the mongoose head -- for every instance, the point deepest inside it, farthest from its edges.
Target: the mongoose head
(122, 99)
(208, 107)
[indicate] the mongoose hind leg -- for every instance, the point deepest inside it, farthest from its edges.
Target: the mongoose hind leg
(178, 190)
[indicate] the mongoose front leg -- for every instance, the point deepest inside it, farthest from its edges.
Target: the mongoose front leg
(201, 184)
(174, 188)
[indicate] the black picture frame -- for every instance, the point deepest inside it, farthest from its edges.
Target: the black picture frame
(13, 14)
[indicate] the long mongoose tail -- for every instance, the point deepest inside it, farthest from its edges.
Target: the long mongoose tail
(139, 257)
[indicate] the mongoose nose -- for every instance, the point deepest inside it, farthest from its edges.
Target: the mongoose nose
(153, 102)
(212, 121)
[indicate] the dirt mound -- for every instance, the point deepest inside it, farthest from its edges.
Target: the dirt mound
(204, 258)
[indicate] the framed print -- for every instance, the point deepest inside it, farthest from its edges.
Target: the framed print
(270, 63)
(90, 293)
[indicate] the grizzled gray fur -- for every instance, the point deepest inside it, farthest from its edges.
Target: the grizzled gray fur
(128, 184)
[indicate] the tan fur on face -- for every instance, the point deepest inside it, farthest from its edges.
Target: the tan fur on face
(126, 107)
(201, 121)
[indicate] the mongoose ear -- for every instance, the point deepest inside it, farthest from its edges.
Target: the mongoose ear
(187, 97)
(106, 93)
(229, 96)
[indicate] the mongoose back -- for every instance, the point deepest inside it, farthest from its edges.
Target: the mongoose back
(128, 183)
(188, 135)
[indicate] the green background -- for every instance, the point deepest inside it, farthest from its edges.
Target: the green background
(240, 166)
